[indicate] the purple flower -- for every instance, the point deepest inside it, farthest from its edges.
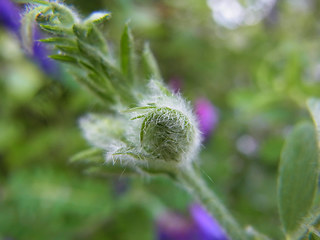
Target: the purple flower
(206, 113)
(40, 55)
(199, 226)
(10, 18)
(175, 84)
(120, 185)
(209, 228)
(207, 116)
(173, 226)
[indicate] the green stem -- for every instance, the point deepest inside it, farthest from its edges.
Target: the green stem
(195, 184)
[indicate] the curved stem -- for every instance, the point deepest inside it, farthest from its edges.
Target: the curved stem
(195, 184)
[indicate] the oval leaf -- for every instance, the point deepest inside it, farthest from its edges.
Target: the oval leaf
(314, 108)
(314, 236)
(298, 174)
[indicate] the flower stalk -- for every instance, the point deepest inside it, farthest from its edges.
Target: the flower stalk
(197, 187)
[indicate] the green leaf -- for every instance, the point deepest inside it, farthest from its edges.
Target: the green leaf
(59, 41)
(80, 32)
(109, 170)
(150, 63)
(95, 37)
(93, 157)
(162, 88)
(64, 58)
(309, 222)
(56, 30)
(89, 155)
(73, 51)
(137, 109)
(127, 53)
(298, 176)
(314, 236)
(88, 52)
(253, 234)
(314, 108)
(91, 69)
(117, 80)
(87, 82)
(102, 84)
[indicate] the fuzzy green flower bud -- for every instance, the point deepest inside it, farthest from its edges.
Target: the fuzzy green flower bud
(168, 129)
(166, 134)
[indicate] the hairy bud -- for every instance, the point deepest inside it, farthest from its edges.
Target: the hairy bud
(168, 131)
(167, 134)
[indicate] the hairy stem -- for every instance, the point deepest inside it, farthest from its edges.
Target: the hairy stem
(195, 184)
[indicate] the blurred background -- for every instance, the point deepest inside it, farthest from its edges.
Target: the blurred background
(255, 61)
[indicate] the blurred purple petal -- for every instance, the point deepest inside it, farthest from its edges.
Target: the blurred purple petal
(199, 226)
(120, 185)
(10, 16)
(175, 84)
(206, 113)
(172, 226)
(40, 55)
(208, 227)
(207, 117)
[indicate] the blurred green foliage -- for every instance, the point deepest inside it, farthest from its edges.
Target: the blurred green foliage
(257, 76)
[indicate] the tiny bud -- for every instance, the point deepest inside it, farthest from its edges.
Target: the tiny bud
(98, 17)
(169, 130)
(166, 134)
